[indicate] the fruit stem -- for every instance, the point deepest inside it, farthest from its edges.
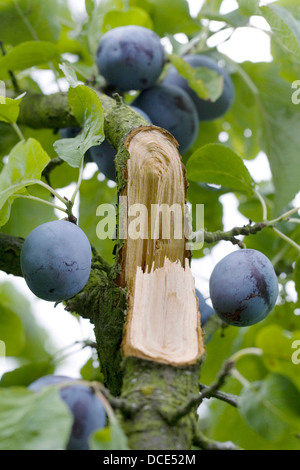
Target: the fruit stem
(18, 131)
(238, 376)
(34, 198)
(52, 191)
(263, 204)
(284, 216)
(72, 200)
(294, 220)
(287, 239)
(245, 352)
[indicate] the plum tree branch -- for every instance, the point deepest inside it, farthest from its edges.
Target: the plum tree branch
(10, 250)
(54, 112)
(46, 111)
(250, 229)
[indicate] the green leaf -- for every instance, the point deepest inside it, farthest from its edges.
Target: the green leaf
(210, 8)
(24, 20)
(70, 74)
(63, 175)
(136, 16)
(169, 16)
(93, 193)
(11, 331)
(198, 193)
(92, 28)
(251, 208)
(19, 224)
(234, 18)
(217, 164)
(25, 375)
(88, 111)
(35, 344)
(24, 167)
(285, 26)
(9, 109)
(30, 421)
(271, 407)
(207, 83)
(291, 5)
(8, 138)
(277, 350)
(280, 122)
(284, 315)
(89, 7)
(248, 7)
(109, 438)
(296, 276)
(90, 371)
(28, 54)
(243, 121)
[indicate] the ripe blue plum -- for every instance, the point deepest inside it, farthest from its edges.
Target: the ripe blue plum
(243, 287)
(87, 409)
(69, 132)
(130, 57)
(56, 260)
(142, 113)
(171, 108)
(104, 157)
(207, 110)
(104, 154)
(206, 310)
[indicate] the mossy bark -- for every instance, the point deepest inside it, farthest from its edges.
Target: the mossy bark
(157, 391)
(10, 250)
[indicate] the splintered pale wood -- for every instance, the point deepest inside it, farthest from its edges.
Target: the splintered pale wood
(155, 179)
(163, 321)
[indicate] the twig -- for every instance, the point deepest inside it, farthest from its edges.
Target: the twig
(286, 238)
(209, 444)
(222, 376)
(196, 400)
(120, 403)
(230, 235)
(226, 397)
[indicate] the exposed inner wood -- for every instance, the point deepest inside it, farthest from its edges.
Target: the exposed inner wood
(163, 324)
(163, 320)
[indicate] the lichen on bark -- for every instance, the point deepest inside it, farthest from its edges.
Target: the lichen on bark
(157, 391)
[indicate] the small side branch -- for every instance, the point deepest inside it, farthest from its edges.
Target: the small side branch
(230, 235)
(222, 376)
(209, 444)
(226, 397)
(207, 392)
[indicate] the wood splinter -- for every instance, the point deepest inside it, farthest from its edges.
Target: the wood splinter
(163, 318)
